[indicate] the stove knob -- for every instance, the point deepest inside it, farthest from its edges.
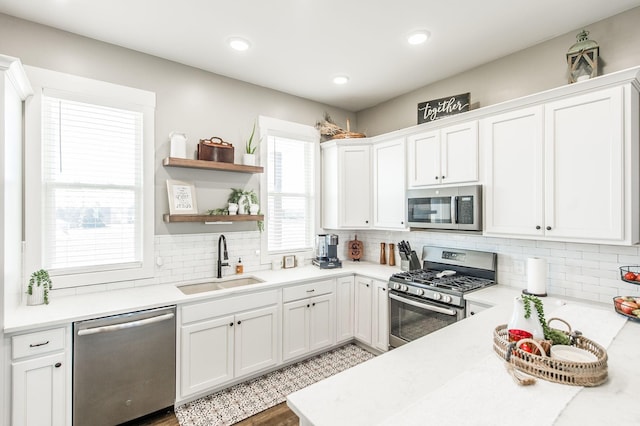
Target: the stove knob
(420, 292)
(396, 286)
(437, 296)
(404, 288)
(446, 298)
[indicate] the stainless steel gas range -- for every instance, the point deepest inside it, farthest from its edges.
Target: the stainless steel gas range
(424, 300)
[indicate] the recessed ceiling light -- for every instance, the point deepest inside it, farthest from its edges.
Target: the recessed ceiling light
(418, 37)
(341, 79)
(239, 44)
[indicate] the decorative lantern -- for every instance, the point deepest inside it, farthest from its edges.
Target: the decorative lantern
(582, 58)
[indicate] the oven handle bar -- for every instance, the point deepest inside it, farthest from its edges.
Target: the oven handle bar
(423, 306)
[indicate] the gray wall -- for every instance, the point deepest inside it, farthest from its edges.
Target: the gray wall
(198, 103)
(538, 68)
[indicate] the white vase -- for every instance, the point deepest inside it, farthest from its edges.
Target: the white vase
(242, 206)
(36, 297)
(249, 159)
(233, 209)
(520, 327)
(254, 209)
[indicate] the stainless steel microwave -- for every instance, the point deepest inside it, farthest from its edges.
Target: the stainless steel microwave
(454, 208)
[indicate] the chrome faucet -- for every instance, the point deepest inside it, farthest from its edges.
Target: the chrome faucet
(222, 239)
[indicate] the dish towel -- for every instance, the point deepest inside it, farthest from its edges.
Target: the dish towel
(485, 394)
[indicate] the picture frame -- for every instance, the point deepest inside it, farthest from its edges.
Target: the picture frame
(182, 197)
(288, 262)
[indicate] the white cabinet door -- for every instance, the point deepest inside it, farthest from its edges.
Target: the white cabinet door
(584, 166)
(207, 354)
(322, 325)
(355, 181)
(444, 156)
(514, 184)
(423, 159)
(256, 340)
(295, 335)
(364, 298)
(389, 203)
(345, 305)
(39, 392)
(380, 320)
(459, 153)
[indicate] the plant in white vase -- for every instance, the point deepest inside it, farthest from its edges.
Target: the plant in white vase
(38, 288)
(249, 157)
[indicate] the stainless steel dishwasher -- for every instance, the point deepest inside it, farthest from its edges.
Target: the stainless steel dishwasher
(123, 366)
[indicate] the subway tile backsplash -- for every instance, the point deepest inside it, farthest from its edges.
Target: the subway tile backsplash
(586, 271)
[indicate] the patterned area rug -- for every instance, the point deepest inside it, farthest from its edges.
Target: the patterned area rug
(243, 400)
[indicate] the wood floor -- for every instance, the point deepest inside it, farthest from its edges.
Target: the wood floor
(280, 415)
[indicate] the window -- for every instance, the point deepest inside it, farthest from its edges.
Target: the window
(291, 152)
(93, 183)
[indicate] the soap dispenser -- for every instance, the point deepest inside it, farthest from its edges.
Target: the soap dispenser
(239, 266)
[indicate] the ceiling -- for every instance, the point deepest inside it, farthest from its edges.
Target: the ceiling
(298, 46)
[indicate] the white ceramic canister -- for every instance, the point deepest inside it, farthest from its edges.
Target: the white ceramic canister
(178, 145)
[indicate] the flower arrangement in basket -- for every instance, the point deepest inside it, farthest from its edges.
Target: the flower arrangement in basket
(529, 345)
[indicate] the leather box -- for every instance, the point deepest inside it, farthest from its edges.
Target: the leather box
(215, 149)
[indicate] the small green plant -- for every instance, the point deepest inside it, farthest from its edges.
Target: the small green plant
(250, 197)
(249, 147)
(557, 337)
(40, 279)
(218, 212)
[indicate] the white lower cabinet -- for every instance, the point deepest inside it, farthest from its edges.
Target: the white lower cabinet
(41, 378)
(309, 322)
(216, 350)
(372, 313)
(345, 305)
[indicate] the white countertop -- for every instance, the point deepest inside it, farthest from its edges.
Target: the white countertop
(443, 378)
(64, 310)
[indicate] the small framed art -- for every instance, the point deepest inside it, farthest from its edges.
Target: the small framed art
(288, 262)
(182, 197)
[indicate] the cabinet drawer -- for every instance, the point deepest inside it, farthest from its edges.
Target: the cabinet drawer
(228, 305)
(37, 343)
(307, 290)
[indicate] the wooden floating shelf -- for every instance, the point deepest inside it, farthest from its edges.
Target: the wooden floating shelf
(172, 218)
(210, 165)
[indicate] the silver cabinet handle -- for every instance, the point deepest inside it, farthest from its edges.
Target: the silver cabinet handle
(423, 306)
(35, 345)
(311, 291)
(116, 327)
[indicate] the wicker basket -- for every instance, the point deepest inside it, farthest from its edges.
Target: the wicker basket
(550, 369)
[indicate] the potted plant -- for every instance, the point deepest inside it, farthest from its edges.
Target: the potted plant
(38, 288)
(243, 199)
(249, 158)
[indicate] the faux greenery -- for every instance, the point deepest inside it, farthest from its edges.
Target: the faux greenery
(249, 147)
(250, 197)
(218, 212)
(40, 279)
(557, 337)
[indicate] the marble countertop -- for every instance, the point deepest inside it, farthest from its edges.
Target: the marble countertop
(453, 377)
(66, 309)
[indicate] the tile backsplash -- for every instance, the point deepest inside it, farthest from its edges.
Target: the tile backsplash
(586, 271)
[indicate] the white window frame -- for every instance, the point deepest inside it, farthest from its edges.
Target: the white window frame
(275, 127)
(90, 91)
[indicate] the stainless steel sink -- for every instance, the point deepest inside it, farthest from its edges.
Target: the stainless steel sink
(218, 285)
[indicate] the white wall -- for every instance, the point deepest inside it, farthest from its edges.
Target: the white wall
(538, 68)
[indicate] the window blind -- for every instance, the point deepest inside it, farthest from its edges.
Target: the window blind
(92, 186)
(290, 194)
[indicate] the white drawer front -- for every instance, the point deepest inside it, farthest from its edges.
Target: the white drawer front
(229, 305)
(37, 343)
(308, 290)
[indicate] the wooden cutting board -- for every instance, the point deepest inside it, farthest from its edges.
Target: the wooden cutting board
(355, 249)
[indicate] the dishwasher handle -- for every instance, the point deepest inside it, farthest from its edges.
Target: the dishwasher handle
(125, 325)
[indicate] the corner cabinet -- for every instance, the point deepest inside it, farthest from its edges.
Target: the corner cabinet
(566, 170)
(443, 156)
(211, 166)
(346, 184)
(389, 203)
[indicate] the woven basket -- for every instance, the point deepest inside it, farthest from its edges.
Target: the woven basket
(550, 369)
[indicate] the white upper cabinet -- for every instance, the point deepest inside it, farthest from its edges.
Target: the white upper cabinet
(443, 156)
(565, 170)
(346, 185)
(389, 203)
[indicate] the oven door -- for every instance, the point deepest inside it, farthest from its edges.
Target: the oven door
(411, 317)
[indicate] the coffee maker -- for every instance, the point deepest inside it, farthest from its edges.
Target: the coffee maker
(327, 252)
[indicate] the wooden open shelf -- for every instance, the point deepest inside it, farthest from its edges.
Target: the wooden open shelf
(173, 218)
(210, 165)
